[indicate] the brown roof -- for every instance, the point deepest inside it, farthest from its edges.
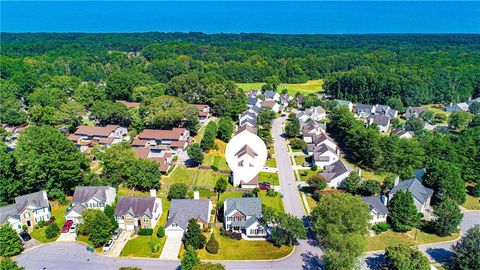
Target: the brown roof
(74, 138)
(130, 104)
(138, 142)
(253, 181)
(159, 134)
(96, 131)
(107, 140)
(178, 144)
(141, 152)
(201, 107)
(248, 128)
(269, 103)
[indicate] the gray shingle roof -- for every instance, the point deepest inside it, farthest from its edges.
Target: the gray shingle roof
(367, 108)
(248, 206)
(8, 211)
(270, 94)
(382, 109)
(334, 170)
(252, 122)
(135, 205)
(380, 120)
(375, 202)
(419, 191)
(77, 208)
(84, 193)
(38, 199)
(182, 210)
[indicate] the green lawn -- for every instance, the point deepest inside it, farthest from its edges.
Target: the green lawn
(231, 249)
(312, 86)
(306, 174)
(272, 178)
(58, 211)
(299, 160)
(182, 174)
(271, 162)
(273, 202)
(431, 107)
(311, 202)
(208, 177)
(380, 242)
(472, 203)
(230, 194)
(219, 161)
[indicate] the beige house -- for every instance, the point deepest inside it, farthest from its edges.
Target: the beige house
(133, 212)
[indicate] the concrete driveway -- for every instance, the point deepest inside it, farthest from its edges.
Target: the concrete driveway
(119, 244)
(67, 237)
(172, 247)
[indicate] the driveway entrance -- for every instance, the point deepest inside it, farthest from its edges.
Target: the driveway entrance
(172, 246)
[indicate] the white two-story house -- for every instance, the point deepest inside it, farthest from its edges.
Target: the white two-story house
(27, 210)
(243, 215)
(87, 197)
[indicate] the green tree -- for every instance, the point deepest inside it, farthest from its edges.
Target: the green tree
(292, 128)
(370, 187)
(208, 140)
(388, 182)
(166, 112)
(225, 129)
(86, 94)
(459, 120)
(109, 210)
(297, 143)
(10, 185)
(10, 243)
(265, 116)
(190, 259)
(119, 85)
(97, 226)
(403, 257)
(448, 217)
(212, 245)
(177, 191)
(352, 182)
(143, 175)
(474, 108)
(46, 159)
(427, 116)
(317, 182)
(445, 179)
(287, 230)
(193, 236)
(11, 108)
(195, 154)
(414, 124)
(9, 264)
(466, 255)
(52, 231)
(396, 103)
(110, 112)
(221, 185)
(402, 214)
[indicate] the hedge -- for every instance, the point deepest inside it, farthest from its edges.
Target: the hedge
(145, 232)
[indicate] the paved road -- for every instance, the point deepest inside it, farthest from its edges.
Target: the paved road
(291, 199)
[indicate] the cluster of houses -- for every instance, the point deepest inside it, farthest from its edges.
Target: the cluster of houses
(463, 106)
(13, 133)
(380, 115)
(272, 99)
(421, 197)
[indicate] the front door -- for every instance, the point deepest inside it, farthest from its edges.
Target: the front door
(29, 223)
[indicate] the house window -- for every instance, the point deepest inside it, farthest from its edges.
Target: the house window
(26, 215)
(145, 219)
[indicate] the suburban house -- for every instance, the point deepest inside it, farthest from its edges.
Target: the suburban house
(285, 99)
(414, 112)
(377, 205)
(364, 110)
(133, 212)
(175, 139)
(162, 158)
(335, 173)
(247, 115)
(271, 95)
(382, 122)
(400, 132)
(248, 121)
(14, 132)
(298, 101)
(86, 136)
(182, 210)
(315, 114)
(310, 128)
(459, 107)
(203, 112)
(421, 194)
(324, 155)
(246, 128)
(89, 197)
(130, 104)
(27, 210)
(254, 93)
(243, 215)
(345, 103)
(254, 101)
(272, 105)
(316, 140)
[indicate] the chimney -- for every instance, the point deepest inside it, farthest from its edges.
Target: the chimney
(397, 180)
(153, 193)
(196, 195)
(359, 172)
(384, 199)
(338, 151)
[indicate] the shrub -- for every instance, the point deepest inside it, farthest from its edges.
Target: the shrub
(381, 227)
(155, 247)
(129, 268)
(271, 193)
(177, 191)
(145, 232)
(52, 231)
(175, 158)
(317, 195)
(41, 223)
(314, 167)
(233, 235)
(161, 232)
(222, 231)
(212, 245)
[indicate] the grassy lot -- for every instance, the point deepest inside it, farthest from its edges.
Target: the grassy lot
(271, 162)
(309, 173)
(472, 203)
(311, 202)
(431, 107)
(380, 242)
(271, 150)
(198, 137)
(312, 86)
(230, 194)
(209, 177)
(368, 175)
(140, 246)
(182, 174)
(299, 160)
(273, 202)
(58, 211)
(219, 161)
(231, 249)
(272, 178)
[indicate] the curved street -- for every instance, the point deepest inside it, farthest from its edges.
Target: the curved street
(73, 255)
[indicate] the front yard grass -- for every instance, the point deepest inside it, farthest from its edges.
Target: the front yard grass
(272, 178)
(472, 203)
(273, 202)
(311, 202)
(231, 249)
(58, 211)
(299, 160)
(306, 174)
(382, 241)
(271, 162)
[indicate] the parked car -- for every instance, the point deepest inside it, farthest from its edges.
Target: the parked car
(73, 228)
(247, 195)
(108, 245)
(67, 225)
(264, 186)
(306, 164)
(25, 236)
(116, 233)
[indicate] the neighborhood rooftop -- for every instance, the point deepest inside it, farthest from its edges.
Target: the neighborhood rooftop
(182, 210)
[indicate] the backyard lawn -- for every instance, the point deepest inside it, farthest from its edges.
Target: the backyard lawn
(209, 178)
(231, 249)
(271, 162)
(272, 178)
(312, 86)
(58, 211)
(380, 242)
(181, 174)
(218, 161)
(431, 107)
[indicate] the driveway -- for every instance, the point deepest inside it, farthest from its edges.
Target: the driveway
(119, 244)
(31, 244)
(67, 237)
(172, 247)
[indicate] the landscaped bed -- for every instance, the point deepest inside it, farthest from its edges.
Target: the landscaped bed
(231, 249)
(58, 211)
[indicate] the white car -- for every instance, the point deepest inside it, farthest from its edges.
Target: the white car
(108, 245)
(73, 228)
